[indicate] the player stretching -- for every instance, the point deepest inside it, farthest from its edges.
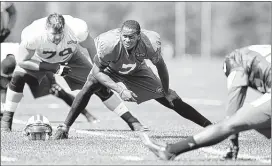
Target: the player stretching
(9, 52)
(120, 57)
(55, 42)
(246, 67)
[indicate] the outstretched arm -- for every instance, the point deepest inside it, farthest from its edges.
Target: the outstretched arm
(158, 61)
(104, 79)
(237, 88)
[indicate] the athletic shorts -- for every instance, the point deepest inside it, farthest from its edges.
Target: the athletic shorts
(143, 82)
(80, 66)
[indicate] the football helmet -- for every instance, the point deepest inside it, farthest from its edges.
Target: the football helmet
(38, 127)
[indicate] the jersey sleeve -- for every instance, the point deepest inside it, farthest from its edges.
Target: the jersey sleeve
(106, 45)
(28, 38)
(80, 28)
(104, 53)
(154, 45)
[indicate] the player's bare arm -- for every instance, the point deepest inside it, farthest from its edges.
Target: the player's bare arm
(25, 61)
(89, 45)
(158, 61)
(237, 88)
(104, 79)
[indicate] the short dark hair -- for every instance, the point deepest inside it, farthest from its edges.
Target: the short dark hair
(132, 24)
(55, 21)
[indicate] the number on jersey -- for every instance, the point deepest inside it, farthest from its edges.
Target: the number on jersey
(64, 52)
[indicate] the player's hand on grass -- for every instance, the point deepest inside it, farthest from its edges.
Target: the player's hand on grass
(63, 70)
(128, 95)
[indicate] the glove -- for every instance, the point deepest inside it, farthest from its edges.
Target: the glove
(63, 70)
(128, 95)
(4, 34)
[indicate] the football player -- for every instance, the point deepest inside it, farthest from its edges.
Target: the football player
(246, 67)
(120, 58)
(51, 45)
(8, 19)
(9, 52)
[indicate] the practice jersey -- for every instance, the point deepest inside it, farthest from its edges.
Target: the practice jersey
(112, 54)
(34, 37)
(255, 62)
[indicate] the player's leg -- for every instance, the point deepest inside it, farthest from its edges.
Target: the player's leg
(81, 68)
(254, 116)
(15, 93)
(58, 91)
(3, 90)
(80, 102)
(113, 102)
(184, 110)
(146, 85)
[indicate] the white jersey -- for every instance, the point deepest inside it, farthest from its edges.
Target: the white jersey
(34, 37)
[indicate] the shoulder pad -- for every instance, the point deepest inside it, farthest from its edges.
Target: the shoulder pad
(78, 26)
(32, 33)
(153, 37)
(106, 42)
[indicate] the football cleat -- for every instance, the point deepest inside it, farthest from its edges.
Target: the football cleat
(159, 149)
(232, 153)
(137, 126)
(38, 127)
(62, 132)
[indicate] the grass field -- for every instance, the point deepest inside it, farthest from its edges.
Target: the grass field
(200, 83)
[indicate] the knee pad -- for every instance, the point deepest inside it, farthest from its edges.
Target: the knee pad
(19, 79)
(104, 93)
(55, 90)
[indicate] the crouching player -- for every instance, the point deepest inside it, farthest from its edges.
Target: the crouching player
(52, 45)
(9, 52)
(246, 67)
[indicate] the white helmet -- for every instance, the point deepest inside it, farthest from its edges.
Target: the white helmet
(38, 127)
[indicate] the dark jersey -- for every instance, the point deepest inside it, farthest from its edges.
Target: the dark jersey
(255, 62)
(247, 67)
(111, 52)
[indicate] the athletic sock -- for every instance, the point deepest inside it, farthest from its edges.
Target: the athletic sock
(188, 112)
(127, 117)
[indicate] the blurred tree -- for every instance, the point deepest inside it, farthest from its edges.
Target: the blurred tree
(234, 24)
